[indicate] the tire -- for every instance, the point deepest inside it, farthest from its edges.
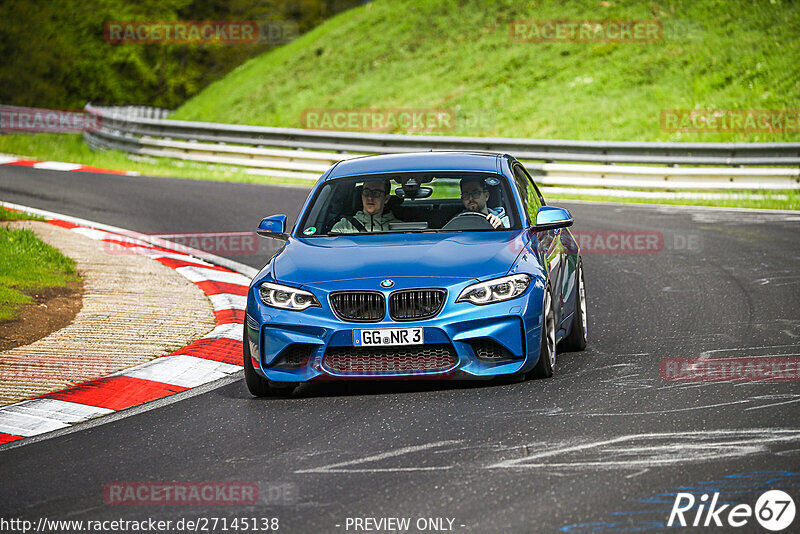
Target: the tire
(257, 384)
(547, 351)
(576, 340)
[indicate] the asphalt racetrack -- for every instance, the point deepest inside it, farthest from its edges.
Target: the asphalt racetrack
(603, 446)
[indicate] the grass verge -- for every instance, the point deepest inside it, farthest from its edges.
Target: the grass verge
(9, 215)
(28, 265)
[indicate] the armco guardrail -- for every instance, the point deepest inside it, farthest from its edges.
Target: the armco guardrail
(297, 153)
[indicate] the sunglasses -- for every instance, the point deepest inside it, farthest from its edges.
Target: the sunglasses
(372, 193)
(474, 195)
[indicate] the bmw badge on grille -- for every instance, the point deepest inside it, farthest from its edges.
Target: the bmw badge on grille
(387, 283)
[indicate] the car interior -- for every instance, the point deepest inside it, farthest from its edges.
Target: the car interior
(417, 209)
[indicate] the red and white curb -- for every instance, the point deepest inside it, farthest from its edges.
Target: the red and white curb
(58, 166)
(214, 356)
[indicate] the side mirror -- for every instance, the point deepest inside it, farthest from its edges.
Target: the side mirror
(274, 226)
(550, 218)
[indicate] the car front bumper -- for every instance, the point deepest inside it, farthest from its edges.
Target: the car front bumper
(463, 341)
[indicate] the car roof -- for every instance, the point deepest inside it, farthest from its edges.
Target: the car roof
(418, 161)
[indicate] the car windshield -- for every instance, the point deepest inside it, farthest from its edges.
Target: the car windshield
(411, 202)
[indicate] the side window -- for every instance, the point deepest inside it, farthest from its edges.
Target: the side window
(532, 199)
(535, 199)
(521, 184)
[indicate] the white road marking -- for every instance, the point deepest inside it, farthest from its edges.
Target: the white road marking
(227, 301)
(40, 416)
(228, 331)
(36, 416)
(153, 253)
(5, 160)
(182, 370)
(65, 411)
(199, 274)
(27, 425)
(337, 467)
(56, 166)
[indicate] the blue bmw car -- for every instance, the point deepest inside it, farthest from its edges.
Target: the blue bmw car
(435, 265)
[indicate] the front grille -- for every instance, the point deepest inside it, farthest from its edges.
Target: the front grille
(390, 360)
(488, 350)
(294, 356)
(362, 306)
(415, 304)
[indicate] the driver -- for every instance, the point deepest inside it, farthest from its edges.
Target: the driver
(474, 195)
(372, 218)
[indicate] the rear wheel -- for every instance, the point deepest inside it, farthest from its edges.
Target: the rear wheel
(547, 353)
(257, 384)
(576, 340)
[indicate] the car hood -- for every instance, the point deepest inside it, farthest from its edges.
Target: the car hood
(447, 255)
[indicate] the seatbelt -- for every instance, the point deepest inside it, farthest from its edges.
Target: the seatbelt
(355, 222)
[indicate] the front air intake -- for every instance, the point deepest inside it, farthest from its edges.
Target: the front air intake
(438, 358)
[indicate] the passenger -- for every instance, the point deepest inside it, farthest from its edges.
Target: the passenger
(474, 195)
(372, 218)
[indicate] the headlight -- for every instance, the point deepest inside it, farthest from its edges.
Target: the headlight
(285, 297)
(496, 290)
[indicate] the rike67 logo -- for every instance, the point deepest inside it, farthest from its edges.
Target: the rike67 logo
(774, 510)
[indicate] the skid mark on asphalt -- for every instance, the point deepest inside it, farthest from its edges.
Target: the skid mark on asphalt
(653, 412)
(340, 466)
(787, 327)
(635, 452)
(642, 451)
(758, 400)
(778, 280)
(792, 398)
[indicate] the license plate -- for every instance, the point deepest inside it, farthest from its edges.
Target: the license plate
(387, 336)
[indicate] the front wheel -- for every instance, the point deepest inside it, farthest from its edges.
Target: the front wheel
(547, 352)
(576, 340)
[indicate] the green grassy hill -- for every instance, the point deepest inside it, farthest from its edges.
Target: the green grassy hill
(459, 55)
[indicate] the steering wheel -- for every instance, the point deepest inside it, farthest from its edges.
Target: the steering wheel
(468, 220)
